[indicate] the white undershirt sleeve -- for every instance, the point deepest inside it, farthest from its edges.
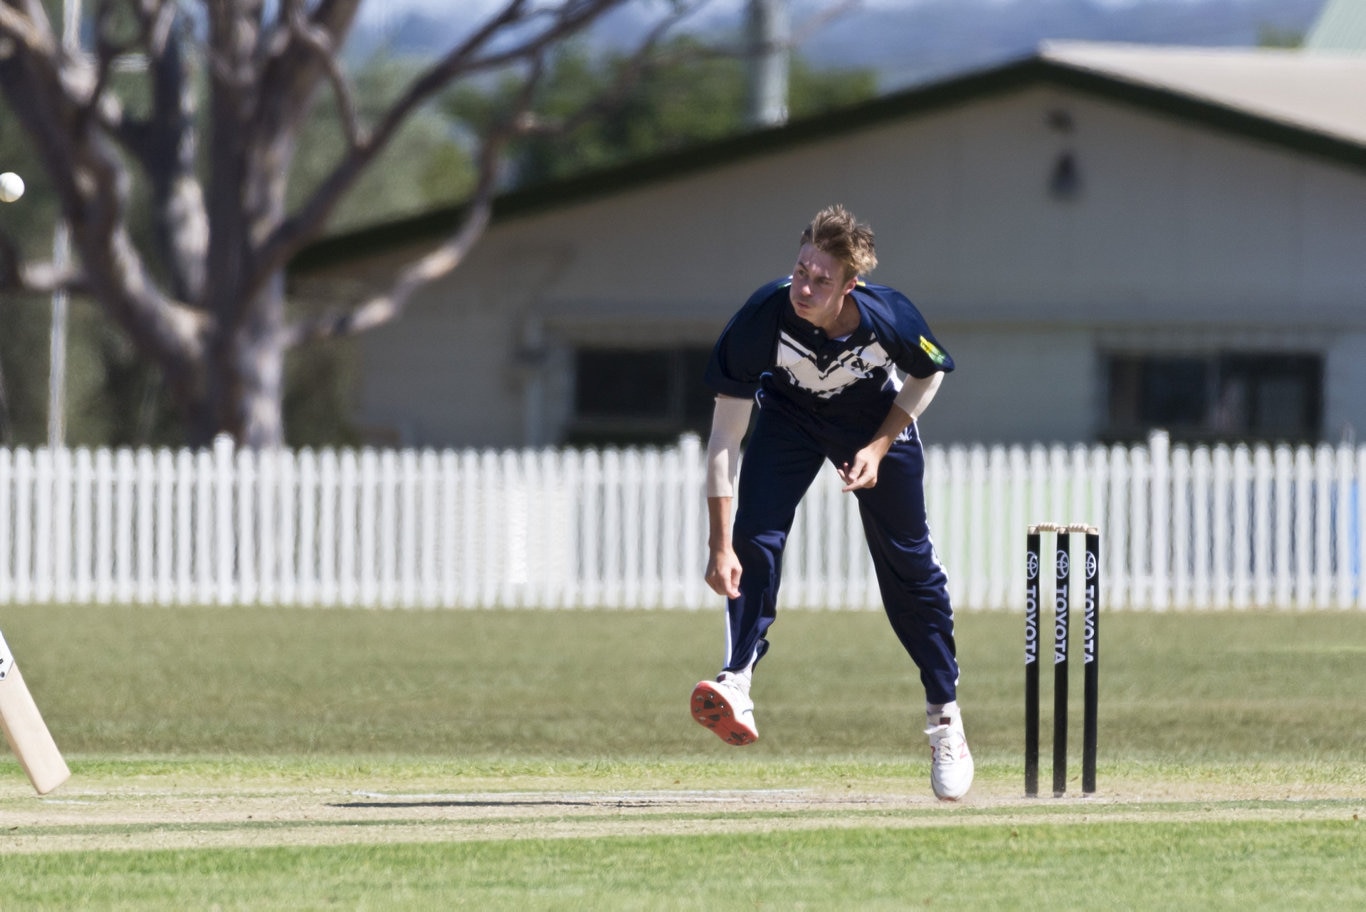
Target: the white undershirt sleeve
(917, 393)
(729, 421)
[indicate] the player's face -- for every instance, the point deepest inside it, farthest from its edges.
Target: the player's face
(819, 287)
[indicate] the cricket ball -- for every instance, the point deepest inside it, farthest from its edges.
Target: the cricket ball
(11, 187)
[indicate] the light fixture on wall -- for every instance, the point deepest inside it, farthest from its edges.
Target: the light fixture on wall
(1064, 183)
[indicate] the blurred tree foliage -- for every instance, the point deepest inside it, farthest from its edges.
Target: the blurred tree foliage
(699, 97)
(425, 167)
(115, 398)
(1271, 36)
(24, 320)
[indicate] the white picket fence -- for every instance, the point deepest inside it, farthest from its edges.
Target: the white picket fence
(1182, 528)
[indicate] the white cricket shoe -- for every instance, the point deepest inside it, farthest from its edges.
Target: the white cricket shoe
(724, 706)
(951, 765)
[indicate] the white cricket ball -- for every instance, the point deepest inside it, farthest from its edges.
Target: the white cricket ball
(11, 186)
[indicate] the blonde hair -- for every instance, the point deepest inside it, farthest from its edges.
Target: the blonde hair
(835, 231)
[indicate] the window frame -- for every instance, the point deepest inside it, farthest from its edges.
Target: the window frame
(686, 408)
(1129, 417)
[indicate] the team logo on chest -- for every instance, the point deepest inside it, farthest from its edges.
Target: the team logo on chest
(826, 373)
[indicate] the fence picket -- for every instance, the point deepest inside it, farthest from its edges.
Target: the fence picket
(1359, 529)
(1324, 484)
(62, 472)
(23, 519)
(224, 544)
(1186, 528)
(104, 526)
(250, 547)
(329, 470)
(346, 527)
(283, 495)
(185, 489)
(1202, 515)
(1346, 529)
(145, 576)
(266, 519)
(1282, 506)
(1181, 552)
(43, 569)
(83, 588)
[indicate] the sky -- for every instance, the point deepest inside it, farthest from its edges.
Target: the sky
(890, 36)
(380, 9)
(475, 6)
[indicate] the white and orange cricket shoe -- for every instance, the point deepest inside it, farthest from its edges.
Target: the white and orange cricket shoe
(724, 706)
(951, 766)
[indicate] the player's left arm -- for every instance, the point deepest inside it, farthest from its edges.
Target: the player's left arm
(910, 403)
(915, 351)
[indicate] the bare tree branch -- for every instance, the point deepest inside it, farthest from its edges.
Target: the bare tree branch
(158, 19)
(390, 304)
(30, 28)
(809, 27)
(28, 277)
(644, 58)
(164, 146)
(48, 91)
(569, 18)
(205, 302)
(318, 40)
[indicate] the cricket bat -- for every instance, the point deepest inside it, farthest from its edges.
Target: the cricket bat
(25, 730)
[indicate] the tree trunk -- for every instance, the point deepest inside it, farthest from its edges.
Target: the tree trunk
(205, 301)
(4, 410)
(245, 382)
(259, 352)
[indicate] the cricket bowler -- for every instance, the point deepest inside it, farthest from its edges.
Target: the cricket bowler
(840, 370)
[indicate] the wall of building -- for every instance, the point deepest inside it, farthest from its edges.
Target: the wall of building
(1172, 230)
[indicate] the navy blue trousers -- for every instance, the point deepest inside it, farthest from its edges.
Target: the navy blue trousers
(783, 457)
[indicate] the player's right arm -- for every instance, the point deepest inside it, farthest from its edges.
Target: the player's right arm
(723, 567)
(743, 353)
(730, 420)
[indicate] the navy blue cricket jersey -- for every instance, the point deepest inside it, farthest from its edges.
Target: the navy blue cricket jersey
(767, 351)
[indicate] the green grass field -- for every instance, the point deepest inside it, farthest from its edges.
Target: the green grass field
(298, 759)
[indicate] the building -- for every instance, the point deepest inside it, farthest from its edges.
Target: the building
(1340, 28)
(1107, 238)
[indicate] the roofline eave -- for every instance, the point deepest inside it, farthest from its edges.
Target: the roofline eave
(1016, 75)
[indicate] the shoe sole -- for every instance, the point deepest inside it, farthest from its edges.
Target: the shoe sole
(712, 710)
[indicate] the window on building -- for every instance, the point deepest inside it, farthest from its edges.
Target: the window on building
(625, 396)
(1217, 396)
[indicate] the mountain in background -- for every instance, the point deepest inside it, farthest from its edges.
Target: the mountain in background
(948, 36)
(938, 38)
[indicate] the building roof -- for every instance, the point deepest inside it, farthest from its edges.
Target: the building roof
(1320, 92)
(1308, 103)
(1340, 27)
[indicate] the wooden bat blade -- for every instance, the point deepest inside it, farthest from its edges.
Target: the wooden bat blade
(25, 730)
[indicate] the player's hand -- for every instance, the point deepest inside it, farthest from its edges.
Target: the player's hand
(723, 573)
(862, 472)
